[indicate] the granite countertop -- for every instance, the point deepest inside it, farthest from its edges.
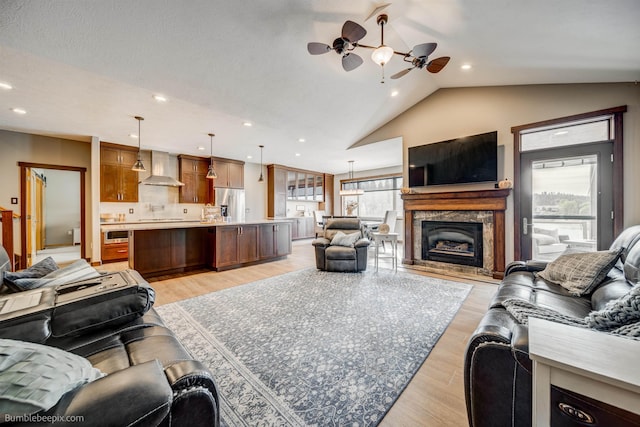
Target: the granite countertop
(166, 224)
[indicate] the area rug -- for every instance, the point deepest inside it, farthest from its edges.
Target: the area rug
(315, 348)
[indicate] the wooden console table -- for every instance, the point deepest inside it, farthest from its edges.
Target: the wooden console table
(481, 200)
(594, 364)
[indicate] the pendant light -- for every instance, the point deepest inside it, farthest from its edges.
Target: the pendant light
(355, 191)
(138, 166)
(211, 173)
(261, 179)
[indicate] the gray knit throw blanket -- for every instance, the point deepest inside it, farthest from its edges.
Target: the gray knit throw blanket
(618, 317)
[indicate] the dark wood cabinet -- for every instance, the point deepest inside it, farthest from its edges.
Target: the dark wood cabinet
(235, 244)
(193, 173)
(230, 173)
(274, 240)
(166, 251)
(118, 183)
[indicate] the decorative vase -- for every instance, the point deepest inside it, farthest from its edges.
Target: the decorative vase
(505, 183)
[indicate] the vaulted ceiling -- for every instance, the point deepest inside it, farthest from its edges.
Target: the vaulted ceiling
(83, 68)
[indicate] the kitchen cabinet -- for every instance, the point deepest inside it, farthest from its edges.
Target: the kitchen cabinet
(113, 252)
(274, 240)
(235, 244)
(277, 192)
(296, 185)
(302, 228)
(118, 183)
(193, 173)
(230, 173)
(164, 251)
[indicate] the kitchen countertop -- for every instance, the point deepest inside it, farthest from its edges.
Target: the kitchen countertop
(166, 224)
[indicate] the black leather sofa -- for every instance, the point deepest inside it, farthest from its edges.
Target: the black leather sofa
(497, 368)
(151, 379)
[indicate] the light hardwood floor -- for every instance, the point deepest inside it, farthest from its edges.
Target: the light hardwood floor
(435, 395)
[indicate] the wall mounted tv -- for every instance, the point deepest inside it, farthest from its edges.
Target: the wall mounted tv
(457, 161)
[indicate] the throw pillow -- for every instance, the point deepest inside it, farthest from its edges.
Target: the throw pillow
(343, 239)
(551, 233)
(543, 239)
(34, 377)
(617, 313)
(40, 269)
(79, 270)
(580, 273)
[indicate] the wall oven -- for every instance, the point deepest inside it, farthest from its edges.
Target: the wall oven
(116, 236)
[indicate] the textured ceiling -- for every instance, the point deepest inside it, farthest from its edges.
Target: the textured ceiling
(84, 68)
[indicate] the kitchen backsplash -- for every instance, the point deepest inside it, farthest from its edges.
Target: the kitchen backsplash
(155, 203)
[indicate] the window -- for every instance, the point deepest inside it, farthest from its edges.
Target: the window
(379, 195)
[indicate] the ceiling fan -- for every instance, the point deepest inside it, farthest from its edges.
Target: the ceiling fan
(352, 33)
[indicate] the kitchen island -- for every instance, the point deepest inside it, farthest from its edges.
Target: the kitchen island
(167, 247)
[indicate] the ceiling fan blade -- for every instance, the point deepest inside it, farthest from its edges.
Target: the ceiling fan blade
(424, 49)
(318, 48)
(351, 61)
(437, 64)
(401, 73)
(352, 31)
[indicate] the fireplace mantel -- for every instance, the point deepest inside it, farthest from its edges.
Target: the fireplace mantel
(479, 200)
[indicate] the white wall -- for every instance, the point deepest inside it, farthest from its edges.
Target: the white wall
(452, 113)
(255, 192)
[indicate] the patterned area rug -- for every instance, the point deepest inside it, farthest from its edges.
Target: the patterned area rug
(315, 348)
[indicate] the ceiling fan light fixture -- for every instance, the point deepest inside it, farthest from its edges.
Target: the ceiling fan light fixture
(382, 55)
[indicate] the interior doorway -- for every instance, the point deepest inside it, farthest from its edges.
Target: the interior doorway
(53, 200)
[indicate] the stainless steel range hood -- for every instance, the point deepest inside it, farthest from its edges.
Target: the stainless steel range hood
(161, 171)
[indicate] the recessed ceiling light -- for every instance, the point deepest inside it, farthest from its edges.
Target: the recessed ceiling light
(466, 66)
(160, 98)
(394, 93)
(301, 140)
(561, 132)
(247, 124)
(6, 86)
(297, 154)
(133, 135)
(19, 111)
(200, 147)
(249, 156)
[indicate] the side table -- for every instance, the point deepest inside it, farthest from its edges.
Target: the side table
(392, 239)
(594, 364)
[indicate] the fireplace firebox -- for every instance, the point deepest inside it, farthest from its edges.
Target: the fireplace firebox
(452, 242)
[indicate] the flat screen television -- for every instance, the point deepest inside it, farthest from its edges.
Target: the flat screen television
(457, 161)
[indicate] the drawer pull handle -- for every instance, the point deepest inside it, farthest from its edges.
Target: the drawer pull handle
(575, 413)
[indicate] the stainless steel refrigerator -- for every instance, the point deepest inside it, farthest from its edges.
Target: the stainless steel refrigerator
(231, 202)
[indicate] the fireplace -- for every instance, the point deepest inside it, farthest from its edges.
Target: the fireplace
(452, 242)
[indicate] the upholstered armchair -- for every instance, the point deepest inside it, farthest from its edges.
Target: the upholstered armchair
(342, 248)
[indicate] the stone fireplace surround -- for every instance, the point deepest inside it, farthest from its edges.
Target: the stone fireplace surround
(485, 206)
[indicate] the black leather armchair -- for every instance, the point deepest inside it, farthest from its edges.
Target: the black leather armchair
(341, 258)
